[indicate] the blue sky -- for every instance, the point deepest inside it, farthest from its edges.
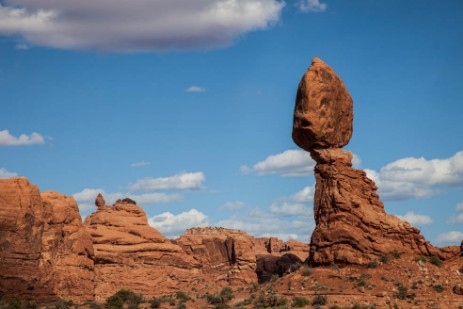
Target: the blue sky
(187, 106)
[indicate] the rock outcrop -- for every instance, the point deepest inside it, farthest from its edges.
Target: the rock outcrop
(130, 254)
(351, 223)
(233, 257)
(45, 251)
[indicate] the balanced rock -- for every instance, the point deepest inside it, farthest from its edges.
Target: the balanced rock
(100, 201)
(351, 224)
(323, 114)
(127, 247)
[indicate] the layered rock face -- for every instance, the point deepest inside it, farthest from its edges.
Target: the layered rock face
(351, 224)
(45, 250)
(132, 255)
(233, 257)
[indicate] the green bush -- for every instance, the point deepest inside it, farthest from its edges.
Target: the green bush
(155, 303)
(14, 303)
(306, 270)
(402, 292)
(299, 302)
(269, 301)
(63, 304)
(114, 302)
(438, 288)
(384, 258)
(396, 254)
(420, 258)
(319, 300)
(213, 299)
(372, 264)
(435, 260)
(182, 296)
(181, 306)
(226, 294)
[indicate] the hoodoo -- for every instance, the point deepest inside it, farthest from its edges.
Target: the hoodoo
(351, 223)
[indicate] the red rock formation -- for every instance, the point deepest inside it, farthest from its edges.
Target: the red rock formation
(45, 251)
(351, 224)
(129, 254)
(323, 114)
(227, 256)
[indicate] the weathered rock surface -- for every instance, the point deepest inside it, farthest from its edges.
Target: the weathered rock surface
(233, 257)
(351, 224)
(323, 114)
(67, 249)
(45, 251)
(227, 256)
(130, 254)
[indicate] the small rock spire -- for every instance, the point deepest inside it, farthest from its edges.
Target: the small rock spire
(99, 201)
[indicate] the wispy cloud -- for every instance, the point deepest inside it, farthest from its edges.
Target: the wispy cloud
(140, 164)
(173, 225)
(287, 163)
(233, 205)
(7, 139)
(196, 89)
(312, 6)
(454, 237)
(416, 219)
(418, 177)
(191, 181)
(136, 25)
(6, 174)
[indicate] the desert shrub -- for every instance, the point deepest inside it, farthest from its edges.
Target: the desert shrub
(384, 258)
(306, 270)
(372, 264)
(289, 285)
(362, 281)
(14, 303)
(402, 292)
(181, 306)
(461, 269)
(155, 303)
(114, 302)
(182, 296)
(213, 299)
(299, 302)
(271, 300)
(396, 254)
(226, 294)
(438, 288)
(420, 258)
(358, 306)
(63, 304)
(319, 300)
(435, 260)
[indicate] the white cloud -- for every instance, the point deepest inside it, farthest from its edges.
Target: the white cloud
(265, 223)
(136, 25)
(6, 139)
(173, 225)
(459, 207)
(305, 195)
(457, 219)
(416, 219)
(6, 174)
(417, 177)
(22, 46)
(233, 205)
(195, 89)
(287, 163)
(289, 209)
(356, 161)
(192, 181)
(312, 6)
(140, 164)
(454, 237)
(86, 198)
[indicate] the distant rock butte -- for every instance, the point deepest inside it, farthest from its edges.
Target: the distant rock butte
(352, 226)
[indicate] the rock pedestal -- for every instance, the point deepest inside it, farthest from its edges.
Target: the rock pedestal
(351, 224)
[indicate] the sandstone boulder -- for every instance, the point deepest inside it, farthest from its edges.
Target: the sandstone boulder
(323, 114)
